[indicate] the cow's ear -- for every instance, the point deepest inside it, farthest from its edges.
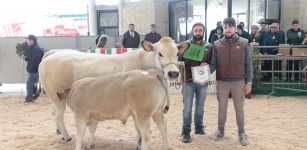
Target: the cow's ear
(147, 46)
(183, 46)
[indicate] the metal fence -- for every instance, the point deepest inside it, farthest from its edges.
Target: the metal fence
(287, 70)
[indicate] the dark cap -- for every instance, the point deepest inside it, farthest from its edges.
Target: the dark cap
(31, 37)
(240, 27)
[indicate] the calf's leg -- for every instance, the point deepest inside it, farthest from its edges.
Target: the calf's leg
(92, 128)
(144, 127)
(138, 133)
(160, 121)
(81, 126)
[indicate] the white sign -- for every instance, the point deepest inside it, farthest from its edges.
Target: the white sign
(175, 87)
(201, 74)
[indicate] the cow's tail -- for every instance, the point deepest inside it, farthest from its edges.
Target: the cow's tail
(63, 95)
(164, 84)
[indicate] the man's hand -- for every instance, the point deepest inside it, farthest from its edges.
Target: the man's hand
(247, 88)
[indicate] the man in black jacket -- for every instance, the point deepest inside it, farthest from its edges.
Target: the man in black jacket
(152, 36)
(131, 39)
(33, 56)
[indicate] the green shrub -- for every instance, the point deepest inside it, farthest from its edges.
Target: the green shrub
(256, 68)
(21, 48)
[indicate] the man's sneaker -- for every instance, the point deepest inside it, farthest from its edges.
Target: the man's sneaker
(28, 99)
(35, 96)
(200, 131)
(243, 139)
(186, 137)
(217, 135)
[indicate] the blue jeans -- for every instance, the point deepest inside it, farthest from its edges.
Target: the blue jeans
(32, 80)
(200, 93)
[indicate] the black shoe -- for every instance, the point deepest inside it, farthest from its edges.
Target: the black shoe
(28, 99)
(186, 137)
(35, 96)
(200, 131)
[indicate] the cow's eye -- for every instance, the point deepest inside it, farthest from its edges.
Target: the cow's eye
(160, 54)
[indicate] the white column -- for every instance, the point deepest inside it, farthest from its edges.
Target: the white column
(120, 17)
(92, 17)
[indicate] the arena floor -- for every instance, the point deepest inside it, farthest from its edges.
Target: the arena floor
(276, 123)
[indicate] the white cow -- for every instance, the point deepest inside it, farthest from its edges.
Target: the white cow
(140, 94)
(59, 70)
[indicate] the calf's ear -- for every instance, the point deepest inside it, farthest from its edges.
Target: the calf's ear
(183, 46)
(147, 46)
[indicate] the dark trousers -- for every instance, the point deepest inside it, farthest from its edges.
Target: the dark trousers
(293, 65)
(31, 87)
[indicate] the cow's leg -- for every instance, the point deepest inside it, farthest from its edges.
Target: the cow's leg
(144, 126)
(59, 118)
(81, 126)
(58, 112)
(138, 133)
(92, 128)
(160, 121)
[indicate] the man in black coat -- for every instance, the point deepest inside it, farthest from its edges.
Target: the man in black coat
(131, 39)
(33, 56)
(152, 36)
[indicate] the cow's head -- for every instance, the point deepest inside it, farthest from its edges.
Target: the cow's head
(166, 55)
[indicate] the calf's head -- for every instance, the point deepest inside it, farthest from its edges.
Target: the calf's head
(166, 55)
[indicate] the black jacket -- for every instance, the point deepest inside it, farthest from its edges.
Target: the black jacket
(34, 57)
(152, 37)
(131, 42)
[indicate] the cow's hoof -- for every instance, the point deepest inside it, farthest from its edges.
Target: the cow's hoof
(139, 144)
(69, 139)
(58, 131)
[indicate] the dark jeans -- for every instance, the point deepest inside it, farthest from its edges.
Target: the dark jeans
(31, 88)
(199, 92)
(293, 65)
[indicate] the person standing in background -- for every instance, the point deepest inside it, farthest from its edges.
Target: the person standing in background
(218, 35)
(131, 39)
(218, 24)
(102, 41)
(33, 56)
(152, 36)
(254, 36)
(295, 36)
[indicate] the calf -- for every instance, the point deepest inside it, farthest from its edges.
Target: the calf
(140, 94)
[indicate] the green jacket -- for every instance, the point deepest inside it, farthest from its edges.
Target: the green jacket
(295, 37)
(215, 38)
(271, 39)
(244, 35)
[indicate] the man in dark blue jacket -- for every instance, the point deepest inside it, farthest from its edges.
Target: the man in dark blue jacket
(33, 56)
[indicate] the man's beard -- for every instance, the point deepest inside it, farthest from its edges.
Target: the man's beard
(198, 38)
(229, 37)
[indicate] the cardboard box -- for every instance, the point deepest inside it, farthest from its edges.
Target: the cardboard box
(299, 51)
(284, 49)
